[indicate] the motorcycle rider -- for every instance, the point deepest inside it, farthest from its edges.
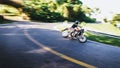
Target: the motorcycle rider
(72, 28)
(75, 24)
(75, 32)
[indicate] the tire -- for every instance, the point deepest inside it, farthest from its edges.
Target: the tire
(64, 34)
(82, 38)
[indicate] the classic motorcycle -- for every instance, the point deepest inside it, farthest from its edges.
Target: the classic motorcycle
(77, 33)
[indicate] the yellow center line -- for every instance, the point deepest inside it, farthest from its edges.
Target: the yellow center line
(57, 53)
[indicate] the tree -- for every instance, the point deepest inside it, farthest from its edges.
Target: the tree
(1, 18)
(55, 9)
(116, 19)
(15, 3)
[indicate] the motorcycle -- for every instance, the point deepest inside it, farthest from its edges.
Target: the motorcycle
(76, 33)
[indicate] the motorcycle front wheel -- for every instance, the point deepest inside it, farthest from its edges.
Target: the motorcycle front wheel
(82, 38)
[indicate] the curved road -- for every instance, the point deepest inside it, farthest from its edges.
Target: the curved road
(32, 45)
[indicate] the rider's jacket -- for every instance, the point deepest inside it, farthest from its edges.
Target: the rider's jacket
(74, 25)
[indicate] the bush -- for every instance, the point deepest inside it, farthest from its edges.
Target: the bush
(116, 19)
(7, 9)
(90, 20)
(1, 18)
(44, 15)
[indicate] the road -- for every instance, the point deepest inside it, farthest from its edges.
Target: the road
(32, 45)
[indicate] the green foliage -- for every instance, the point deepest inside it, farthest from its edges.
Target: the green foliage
(116, 19)
(68, 1)
(47, 17)
(55, 10)
(1, 18)
(43, 13)
(7, 9)
(88, 19)
(87, 10)
(3, 21)
(74, 1)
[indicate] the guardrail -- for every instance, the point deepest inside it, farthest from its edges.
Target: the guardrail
(113, 36)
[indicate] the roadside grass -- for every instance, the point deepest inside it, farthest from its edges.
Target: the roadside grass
(103, 39)
(104, 28)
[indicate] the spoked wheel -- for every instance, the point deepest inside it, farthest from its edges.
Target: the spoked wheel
(82, 38)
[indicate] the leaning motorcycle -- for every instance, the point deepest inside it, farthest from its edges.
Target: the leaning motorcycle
(78, 34)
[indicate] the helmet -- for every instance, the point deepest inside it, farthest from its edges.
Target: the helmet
(76, 22)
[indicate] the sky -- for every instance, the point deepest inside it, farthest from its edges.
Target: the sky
(107, 7)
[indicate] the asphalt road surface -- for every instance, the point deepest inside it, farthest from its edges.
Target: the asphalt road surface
(32, 45)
